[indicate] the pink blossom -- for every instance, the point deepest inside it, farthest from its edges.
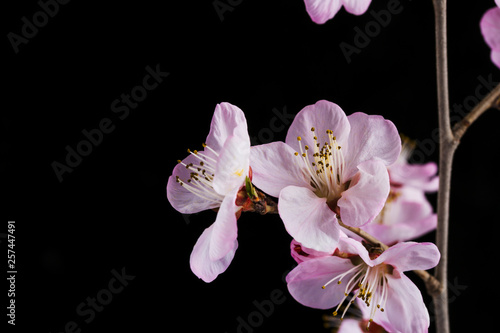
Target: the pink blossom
(407, 214)
(418, 176)
(490, 28)
(330, 164)
(210, 179)
(391, 298)
(321, 11)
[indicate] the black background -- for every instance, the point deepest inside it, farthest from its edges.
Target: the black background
(111, 211)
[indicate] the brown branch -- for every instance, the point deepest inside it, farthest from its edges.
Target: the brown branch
(490, 101)
(363, 234)
(447, 148)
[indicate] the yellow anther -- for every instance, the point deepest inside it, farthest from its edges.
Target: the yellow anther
(334, 313)
(323, 287)
(304, 155)
(339, 282)
(204, 145)
(296, 154)
(306, 147)
(312, 129)
(189, 150)
(299, 138)
(179, 161)
(195, 152)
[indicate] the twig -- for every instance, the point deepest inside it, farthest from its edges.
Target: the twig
(490, 101)
(363, 234)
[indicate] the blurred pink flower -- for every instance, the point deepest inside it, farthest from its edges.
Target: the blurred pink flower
(490, 28)
(210, 179)
(330, 164)
(321, 11)
(391, 298)
(407, 214)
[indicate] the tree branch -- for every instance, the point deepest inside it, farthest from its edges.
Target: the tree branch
(490, 101)
(363, 234)
(446, 150)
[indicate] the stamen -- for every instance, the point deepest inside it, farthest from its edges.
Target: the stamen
(371, 285)
(324, 166)
(200, 181)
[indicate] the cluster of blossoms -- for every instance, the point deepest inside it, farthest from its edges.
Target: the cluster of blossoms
(346, 195)
(332, 171)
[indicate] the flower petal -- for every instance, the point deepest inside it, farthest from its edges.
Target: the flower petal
(323, 116)
(183, 200)
(490, 28)
(356, 7)
(408, 216)
(405, 310)
(306, 280)
(422, 176)
(308, 219)
(224, 121)
(370, 137)
(321, 11)
(274, 167)
(366, 195)
(410, 256)
(495, 57)
(233, 162)
(352, 246)
(301, 253)
(350, 326)
(202, 265)
(225, 229)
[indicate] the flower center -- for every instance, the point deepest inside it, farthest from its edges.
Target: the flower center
(367, 283)
(324, 166)
(202, 175)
